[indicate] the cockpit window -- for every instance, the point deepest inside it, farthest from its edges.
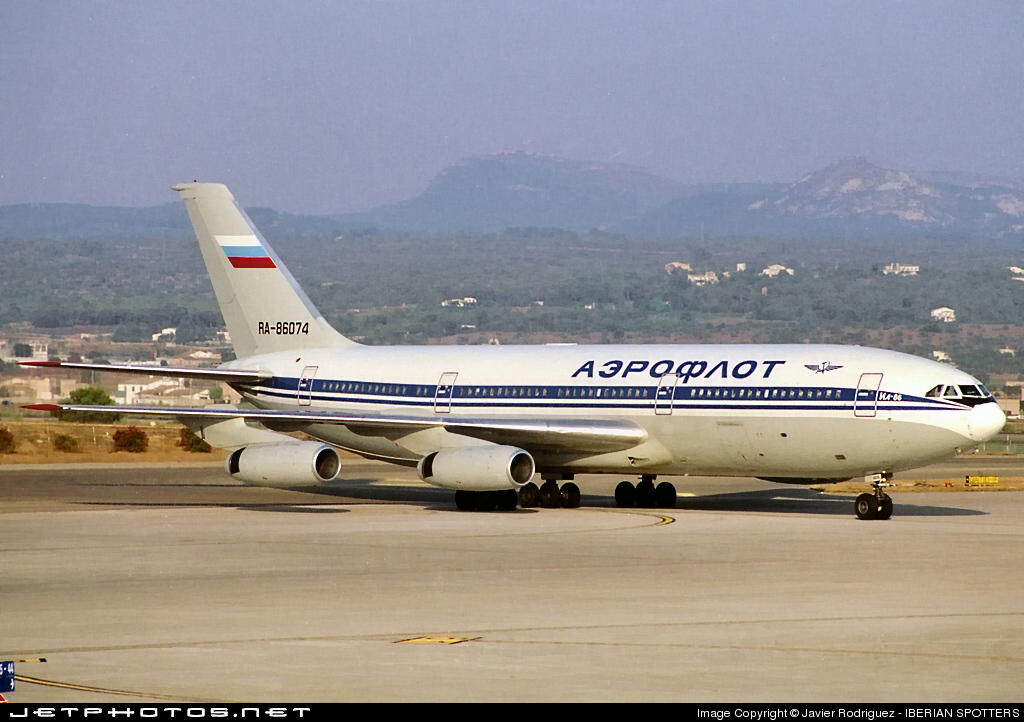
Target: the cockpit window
(970, 391)
(951, 393)
(934, 392)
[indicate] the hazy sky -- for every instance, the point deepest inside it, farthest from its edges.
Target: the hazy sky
(329, 107)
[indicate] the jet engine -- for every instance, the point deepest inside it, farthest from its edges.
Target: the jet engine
(285, 463)
(477, 468)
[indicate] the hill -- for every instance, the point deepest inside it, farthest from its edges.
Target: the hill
(851, 198)
(519, 190)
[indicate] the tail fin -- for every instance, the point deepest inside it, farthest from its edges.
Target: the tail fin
(263, 306)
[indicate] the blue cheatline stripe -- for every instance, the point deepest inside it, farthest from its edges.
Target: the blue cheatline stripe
(245, 251)
(607, 398)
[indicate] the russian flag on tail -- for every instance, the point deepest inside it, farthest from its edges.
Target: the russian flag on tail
(245, 252)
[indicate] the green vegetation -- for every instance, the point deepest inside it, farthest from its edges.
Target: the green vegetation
(595, 287)
(7, 441)
(131, 439)
(89, 396)
(66, 444)
(189, 441)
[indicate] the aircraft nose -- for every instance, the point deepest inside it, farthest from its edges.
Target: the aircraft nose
(985, 421)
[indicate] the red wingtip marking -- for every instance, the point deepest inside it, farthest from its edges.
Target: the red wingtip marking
(42, 407)
(39, 363)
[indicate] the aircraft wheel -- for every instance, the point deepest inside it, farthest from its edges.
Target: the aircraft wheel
(885, 508)
(550, 496)
(465, 500)
(507, 500)
(529, 496)
(570, 495)
(486, 500)
(664, 495)
(625, 494)
(866, 506)
(645, 494)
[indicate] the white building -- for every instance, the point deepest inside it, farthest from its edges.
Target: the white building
(677, 267)
(775, 269)
(459, 302)
(701, 279)
(155, 391)
(901, 269)
(40, 350)
(944, 314)
(40, 389)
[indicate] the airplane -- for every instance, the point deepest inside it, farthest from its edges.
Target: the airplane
(484, 421)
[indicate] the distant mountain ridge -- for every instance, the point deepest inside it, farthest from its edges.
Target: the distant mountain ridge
(490, 193)
(851, 198)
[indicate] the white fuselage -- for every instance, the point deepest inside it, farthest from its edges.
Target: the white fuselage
(775, 411)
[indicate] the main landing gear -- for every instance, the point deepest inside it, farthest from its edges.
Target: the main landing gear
(486, 500)
(877, 504)
(549, 495)
(645, 494)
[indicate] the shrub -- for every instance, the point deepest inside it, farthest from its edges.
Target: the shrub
(189, 441)
(131, 438)
(89, 396)
(65, 443)
(7, 442)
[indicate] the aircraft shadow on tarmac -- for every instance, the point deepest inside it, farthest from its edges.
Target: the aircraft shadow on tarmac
(293, 508)
(784, 500)
(789, 500)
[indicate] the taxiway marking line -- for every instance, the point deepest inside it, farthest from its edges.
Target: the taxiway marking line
(756, 648)
(386, 636)
(99, 690)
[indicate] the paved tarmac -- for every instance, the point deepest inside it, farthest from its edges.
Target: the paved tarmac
(148, 583)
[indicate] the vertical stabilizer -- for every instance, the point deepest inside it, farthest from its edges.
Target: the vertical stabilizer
(264, 308)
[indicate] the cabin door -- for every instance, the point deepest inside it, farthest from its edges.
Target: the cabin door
(445, 390)
(665, 397)
(305, 391)
(865, 402)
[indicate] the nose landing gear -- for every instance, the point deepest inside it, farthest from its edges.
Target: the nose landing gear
(877, 504)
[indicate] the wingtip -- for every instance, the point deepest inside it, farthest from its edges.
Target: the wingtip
(42, 407)
(40, 363)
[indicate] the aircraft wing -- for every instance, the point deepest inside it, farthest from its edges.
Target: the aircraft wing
(584, 435)
(225, 375)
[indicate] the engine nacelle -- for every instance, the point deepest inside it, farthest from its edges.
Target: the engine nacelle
(285, 463)
(477, 468)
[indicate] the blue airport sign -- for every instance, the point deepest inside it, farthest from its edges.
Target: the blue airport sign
(6, 677)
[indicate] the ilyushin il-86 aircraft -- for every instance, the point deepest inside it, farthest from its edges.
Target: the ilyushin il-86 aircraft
(485, 421)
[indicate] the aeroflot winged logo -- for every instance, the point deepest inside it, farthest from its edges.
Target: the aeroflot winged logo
(245, 252)
(822, 367)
